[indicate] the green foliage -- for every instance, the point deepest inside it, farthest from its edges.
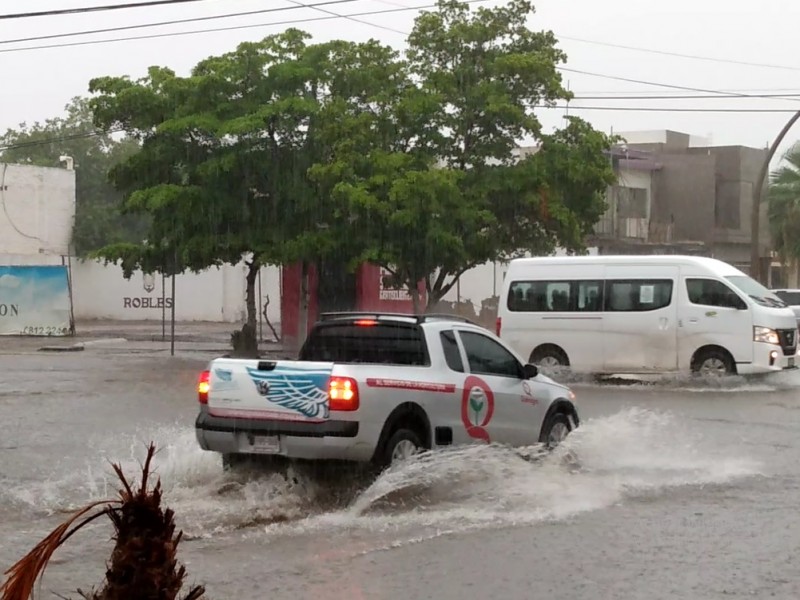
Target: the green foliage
(288, 151)
(98, 220)
(784, 206)
(433, 174)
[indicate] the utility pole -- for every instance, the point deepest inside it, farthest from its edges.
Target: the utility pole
(758, 197)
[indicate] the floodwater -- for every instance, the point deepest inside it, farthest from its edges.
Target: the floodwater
(680, 491)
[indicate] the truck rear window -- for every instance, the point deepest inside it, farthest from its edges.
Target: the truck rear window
(381, 343)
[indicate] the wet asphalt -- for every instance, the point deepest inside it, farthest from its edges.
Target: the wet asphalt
(683, 490)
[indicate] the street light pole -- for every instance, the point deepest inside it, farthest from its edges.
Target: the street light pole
(758, 197)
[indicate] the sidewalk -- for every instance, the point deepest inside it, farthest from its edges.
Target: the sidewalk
(151, 331)
(202, 336)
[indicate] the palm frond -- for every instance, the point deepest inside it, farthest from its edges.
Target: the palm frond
(22, 576)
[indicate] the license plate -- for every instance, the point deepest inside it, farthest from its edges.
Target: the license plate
(265, 444)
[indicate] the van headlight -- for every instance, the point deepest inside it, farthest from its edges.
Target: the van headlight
(766, 335)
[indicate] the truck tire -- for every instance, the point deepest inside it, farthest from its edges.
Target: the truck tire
(403, 444)
(558, 428)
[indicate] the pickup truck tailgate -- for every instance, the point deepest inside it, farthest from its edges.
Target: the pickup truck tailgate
(268, 389)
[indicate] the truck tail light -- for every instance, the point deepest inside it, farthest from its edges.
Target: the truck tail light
(498, 325)
(343, 393)
(203, 387)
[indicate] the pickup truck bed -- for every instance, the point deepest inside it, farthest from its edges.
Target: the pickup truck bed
(376, 388)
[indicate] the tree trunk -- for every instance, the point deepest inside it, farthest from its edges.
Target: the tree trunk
(415, 299)
(250, 294)
(245, 342)
(302, 313)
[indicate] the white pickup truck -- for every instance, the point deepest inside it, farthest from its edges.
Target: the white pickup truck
(375, 388)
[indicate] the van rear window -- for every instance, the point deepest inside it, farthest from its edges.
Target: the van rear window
(379, 343)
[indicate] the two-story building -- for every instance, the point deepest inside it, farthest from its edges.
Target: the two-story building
(677, 194)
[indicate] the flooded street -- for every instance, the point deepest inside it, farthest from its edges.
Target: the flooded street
(682, 490)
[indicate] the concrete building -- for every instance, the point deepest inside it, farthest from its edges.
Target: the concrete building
(675, 196)
(37, 210)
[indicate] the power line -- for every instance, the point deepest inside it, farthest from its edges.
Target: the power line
(91, 9)
(684, 97)
(55, 140)
(643, 92)
(230, 28)
(570, 107)
(664, 85)
(349, 17)
(248, 13)
(680, 54)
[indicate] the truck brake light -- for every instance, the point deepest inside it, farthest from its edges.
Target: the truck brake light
(497, 325)
(365, 322)
(343, 393)
(203, 387)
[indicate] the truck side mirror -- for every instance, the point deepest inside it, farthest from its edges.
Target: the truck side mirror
(530, 371)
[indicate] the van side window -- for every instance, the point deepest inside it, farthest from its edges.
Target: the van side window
(710, 292)
(638, 295)
(589, 296)
(555, 296)
(539, 296)
(451, 352)
(487, 357)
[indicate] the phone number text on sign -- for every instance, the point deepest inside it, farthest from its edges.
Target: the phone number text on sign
(48, 330)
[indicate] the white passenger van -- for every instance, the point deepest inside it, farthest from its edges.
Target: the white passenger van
(644, 314)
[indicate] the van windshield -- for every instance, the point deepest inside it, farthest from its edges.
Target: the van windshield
(757, 292)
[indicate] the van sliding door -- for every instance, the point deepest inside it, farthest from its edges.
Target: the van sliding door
(640, 320)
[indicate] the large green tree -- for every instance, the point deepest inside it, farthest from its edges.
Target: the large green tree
(98, 220)
(442, 187)
(784, 206)
(222, 170)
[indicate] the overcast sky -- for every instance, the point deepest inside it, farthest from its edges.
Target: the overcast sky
(36, 83)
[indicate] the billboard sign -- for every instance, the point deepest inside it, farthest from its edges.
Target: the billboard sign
(34, 300)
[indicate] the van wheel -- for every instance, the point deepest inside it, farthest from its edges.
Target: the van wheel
(549, 357)
(713, 362)
(403, 444)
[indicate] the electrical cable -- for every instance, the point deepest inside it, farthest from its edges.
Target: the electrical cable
(349, 17)
(670, 109)
(91, 9)
(248, 13)
(664, 85)
(232, 27)
(679, 54)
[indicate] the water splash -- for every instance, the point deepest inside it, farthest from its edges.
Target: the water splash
(606, 461)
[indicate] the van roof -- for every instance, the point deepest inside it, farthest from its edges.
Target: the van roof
(713, 264)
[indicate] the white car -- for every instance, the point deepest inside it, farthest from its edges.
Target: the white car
(375, 388)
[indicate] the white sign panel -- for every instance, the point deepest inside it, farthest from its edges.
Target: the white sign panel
(34, 300)
(390, 293)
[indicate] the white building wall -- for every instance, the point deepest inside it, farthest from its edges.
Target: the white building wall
(37, 209)
(217, 294)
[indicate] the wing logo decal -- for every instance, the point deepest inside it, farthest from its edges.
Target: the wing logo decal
(302, 391)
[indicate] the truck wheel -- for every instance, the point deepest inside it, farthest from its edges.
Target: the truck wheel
(558, 428)
(403, 444)
(234, 462)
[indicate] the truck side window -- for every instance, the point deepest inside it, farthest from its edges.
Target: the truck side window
(710, 292)
(487, 357)
(451, 352)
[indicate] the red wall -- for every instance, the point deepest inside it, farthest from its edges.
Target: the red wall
(290, 303)
(368, 286)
